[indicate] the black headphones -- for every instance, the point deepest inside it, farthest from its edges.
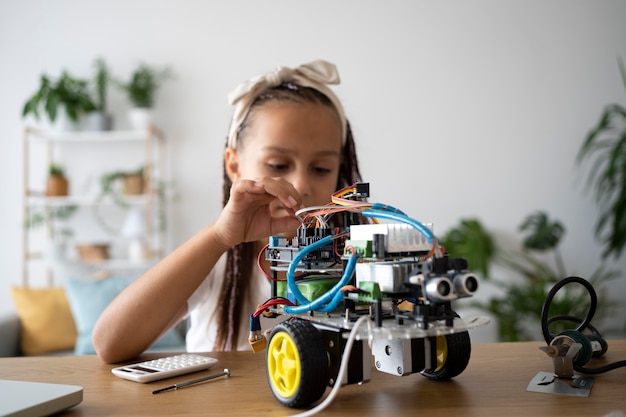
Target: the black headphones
(593, 345)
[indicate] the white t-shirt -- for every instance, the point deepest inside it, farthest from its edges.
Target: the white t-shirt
(203, 303)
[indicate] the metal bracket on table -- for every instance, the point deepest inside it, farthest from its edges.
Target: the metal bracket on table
(563, 355)
(562, 381)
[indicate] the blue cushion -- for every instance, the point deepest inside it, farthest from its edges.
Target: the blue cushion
(89, 298)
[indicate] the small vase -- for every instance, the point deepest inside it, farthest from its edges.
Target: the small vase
(99, 121)
(136, 250)
(94, 252)
(57, 186)
(63, 123)
(133, 184)
(140, 118)
(55, 251)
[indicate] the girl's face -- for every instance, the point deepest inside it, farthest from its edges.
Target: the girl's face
(299, 142)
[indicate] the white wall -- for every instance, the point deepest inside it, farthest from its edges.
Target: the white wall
(460, 108)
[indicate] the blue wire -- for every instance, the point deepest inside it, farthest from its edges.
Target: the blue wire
(291, 272)
(333, 296)
(386, 207)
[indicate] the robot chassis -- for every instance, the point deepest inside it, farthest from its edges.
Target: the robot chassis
(382, 271)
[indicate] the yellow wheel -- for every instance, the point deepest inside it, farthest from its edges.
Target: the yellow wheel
(442, 352)
(297, 364)
(283, 365)
(453, 354)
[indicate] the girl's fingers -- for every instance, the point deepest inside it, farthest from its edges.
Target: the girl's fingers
(284, 191)
(251, 212)
(274, 187)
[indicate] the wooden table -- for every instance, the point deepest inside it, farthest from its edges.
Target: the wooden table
(494, 384)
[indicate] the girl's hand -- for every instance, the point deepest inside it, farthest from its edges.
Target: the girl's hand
(248, 216)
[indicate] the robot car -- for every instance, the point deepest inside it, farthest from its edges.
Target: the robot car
(360, 279)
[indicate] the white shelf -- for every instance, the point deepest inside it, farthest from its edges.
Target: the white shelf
(37, 135)
(99, 270)
(83, 201)
(109, 264)
(150, 203)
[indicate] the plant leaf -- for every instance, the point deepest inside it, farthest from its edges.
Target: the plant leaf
(471, 241)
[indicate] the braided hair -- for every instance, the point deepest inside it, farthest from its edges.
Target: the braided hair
(240, 258)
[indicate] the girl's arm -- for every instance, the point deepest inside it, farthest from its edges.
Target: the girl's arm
(157, 300)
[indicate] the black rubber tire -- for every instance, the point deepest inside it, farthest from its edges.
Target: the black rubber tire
(306, 345)
(458, 349)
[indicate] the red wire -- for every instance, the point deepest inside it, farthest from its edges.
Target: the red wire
(270, 303)
(258, 262)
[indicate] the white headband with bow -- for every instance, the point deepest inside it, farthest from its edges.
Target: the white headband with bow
(317, 74)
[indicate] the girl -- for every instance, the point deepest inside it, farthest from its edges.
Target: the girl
(289, 146)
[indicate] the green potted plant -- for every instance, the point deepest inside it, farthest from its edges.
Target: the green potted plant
(518, 308)
(118, 185)
(132, 182)
(66, 99)
(99, 119)
(141, 90)
(41, 216)
(57, 184)
(56, 218)
(605, 146)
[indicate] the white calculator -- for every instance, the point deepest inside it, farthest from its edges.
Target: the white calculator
(166, 367)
